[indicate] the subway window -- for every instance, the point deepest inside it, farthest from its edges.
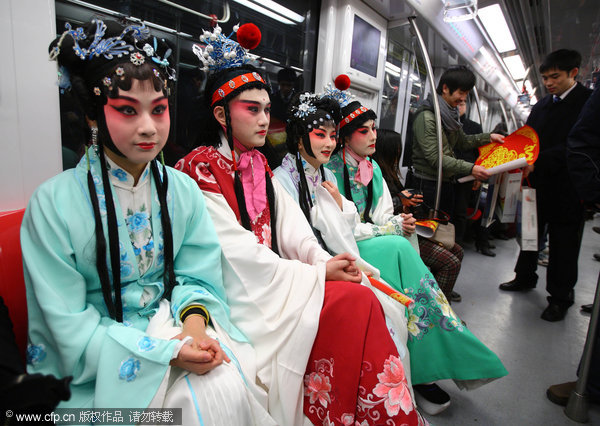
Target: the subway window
(286, 56)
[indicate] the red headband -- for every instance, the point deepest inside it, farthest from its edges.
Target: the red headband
(235, 83)
(351, 116)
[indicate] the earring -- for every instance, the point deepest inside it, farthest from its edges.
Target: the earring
(94, 130)
(94, 135)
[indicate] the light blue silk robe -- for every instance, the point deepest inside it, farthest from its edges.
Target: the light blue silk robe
(70, 332)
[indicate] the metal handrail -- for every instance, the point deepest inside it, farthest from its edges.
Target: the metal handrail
(226, 12)
(436, 108)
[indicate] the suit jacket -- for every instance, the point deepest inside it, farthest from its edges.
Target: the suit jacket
(583, 156)
(553, 121)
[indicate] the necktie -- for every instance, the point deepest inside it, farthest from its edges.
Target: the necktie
(556, 99)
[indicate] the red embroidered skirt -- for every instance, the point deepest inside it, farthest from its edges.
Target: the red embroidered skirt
(354, 375)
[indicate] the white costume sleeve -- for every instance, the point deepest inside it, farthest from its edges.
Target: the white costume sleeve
(276, 301)
(384, 221)
(295, 237)
(349, 212)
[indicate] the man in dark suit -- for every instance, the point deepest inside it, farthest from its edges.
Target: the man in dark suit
(558, 204)
(583, 159)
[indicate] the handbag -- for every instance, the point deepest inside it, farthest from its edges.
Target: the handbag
(444, 235)
(435, 226)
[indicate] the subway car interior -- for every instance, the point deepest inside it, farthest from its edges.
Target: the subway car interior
(394, 52)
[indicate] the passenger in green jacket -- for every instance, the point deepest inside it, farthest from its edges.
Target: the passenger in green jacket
(454, 86)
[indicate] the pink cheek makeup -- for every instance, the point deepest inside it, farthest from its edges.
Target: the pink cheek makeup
(165, 113)
(240, 110)
(117, 123)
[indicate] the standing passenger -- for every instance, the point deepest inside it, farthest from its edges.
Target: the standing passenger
(128, 302)
(322, 345)
(464, 191)
(583, 161)
(453, 87)
(552, 118)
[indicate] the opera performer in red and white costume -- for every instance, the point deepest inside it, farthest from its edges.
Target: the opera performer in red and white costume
(324, 353)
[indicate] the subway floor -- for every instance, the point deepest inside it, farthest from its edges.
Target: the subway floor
(535, 352)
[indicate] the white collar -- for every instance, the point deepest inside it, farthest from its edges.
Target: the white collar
(121, 178)
(308, 168)
(350, 160)
(566, 92)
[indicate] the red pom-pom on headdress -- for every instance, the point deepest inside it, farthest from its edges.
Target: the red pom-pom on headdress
(248, 36)
(342, 82)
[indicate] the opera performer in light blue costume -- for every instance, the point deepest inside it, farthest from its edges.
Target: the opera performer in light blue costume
(122, 262)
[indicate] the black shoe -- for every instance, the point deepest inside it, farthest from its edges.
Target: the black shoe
(596, 229)
(597, 256)
(559, 394)
(455, 297)
(515, 285)
(431, 398)
(554, 312)
(587, 308)
(485, 250)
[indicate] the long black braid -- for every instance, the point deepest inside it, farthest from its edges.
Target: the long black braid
(165, 221)
(239, 188)
(304, 198)
(115, 307)
(348, 191)
(271, 201)
(113, 238)
(100, 248)
(237, 182)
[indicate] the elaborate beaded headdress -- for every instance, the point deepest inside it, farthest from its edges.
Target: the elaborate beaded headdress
(345, 99)
(133, 44)
(222, 53)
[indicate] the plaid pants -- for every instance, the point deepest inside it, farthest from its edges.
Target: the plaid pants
(444, 264)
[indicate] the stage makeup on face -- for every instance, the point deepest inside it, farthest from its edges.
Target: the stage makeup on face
(362, 141)
(138, 123)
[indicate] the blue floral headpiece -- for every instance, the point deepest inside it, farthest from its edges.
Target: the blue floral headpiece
(220, 52)
(343, 97)
(111, 47)
(306, 106)
(308, 110)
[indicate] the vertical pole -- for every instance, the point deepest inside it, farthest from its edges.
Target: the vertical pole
(512, 114)
(436, 107)
(577, 407)
(476, 94)
(504, 114)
